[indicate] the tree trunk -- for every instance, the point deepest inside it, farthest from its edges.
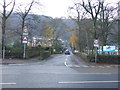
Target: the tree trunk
(87, 40)
(3, 37)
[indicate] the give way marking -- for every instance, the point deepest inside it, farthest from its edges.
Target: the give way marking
(7, 83)
(77, 82)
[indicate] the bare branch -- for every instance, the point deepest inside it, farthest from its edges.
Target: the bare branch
(98, 9)
(27, 11)
(19, 13)
(9, 3)
(20, 9)
(84, 6)
(11, 10)
(91, 12)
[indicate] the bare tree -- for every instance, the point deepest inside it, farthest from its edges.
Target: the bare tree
(80, 15)
(93, 10)
(23, 13)
(5, 16)
(24, 10)
(106, 21)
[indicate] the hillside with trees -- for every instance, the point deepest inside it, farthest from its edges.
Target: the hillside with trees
(37, 25)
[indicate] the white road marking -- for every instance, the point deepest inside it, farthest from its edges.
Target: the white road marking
(92, 66)
(70, 65)
(7, 83)
(101, 66)
(77, 82)
(66, 61)
(85, 66)
(115, 65)
(95, 73)
(75, 66)
(108, 66)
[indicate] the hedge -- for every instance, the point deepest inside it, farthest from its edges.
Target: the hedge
(13, 54)
(44, 55)
(114, 59)
(110, 59)
(33, 52)
(30, 53)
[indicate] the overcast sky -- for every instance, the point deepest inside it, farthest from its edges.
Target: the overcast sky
(55, 8)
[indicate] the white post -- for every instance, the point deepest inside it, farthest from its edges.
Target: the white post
(24, 54)
(96, 53)
(118, 52)
(4, 52)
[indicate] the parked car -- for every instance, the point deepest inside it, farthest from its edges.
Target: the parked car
(67, 52)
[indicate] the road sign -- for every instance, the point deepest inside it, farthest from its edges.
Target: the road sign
(25, 30)
(109, 49)
(25, 39)
(25, 34)
(96, 43)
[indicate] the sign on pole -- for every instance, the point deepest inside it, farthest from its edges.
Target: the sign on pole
(96, 43)
(25, 31)
(109, 49)
(25, 39)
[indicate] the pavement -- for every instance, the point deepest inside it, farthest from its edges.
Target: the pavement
(19, 61)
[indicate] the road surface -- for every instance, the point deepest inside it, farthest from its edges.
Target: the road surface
(60, 71)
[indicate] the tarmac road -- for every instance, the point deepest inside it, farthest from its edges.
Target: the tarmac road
(60, 71)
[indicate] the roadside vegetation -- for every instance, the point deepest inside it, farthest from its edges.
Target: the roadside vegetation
(46, 35)
(102, 25)
(42, 52)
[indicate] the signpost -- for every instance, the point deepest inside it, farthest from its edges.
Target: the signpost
(25, 31)
(96, 45)
(25, 39)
